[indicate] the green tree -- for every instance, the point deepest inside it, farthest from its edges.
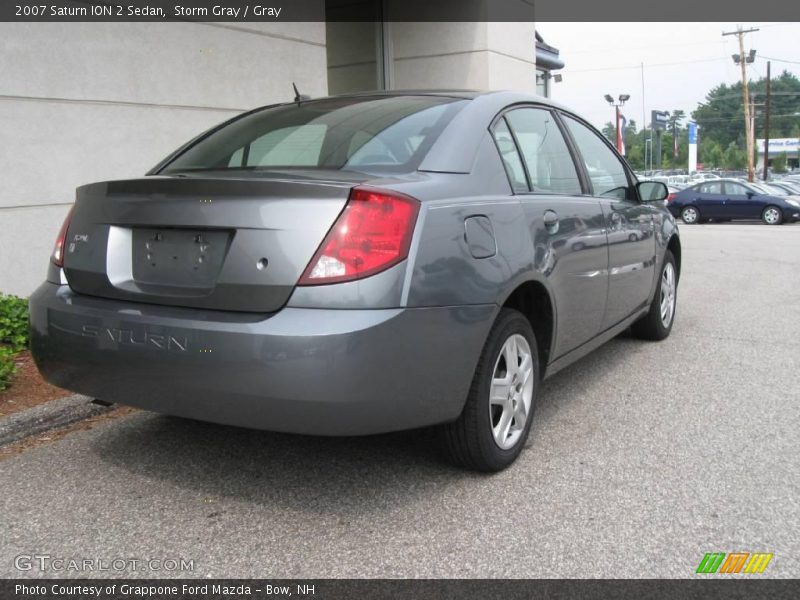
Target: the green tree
(735, 158)
(677, 117)
(610, 131)
(711, 154)
(721, 116)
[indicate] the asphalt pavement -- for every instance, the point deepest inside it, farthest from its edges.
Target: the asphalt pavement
(642, 457)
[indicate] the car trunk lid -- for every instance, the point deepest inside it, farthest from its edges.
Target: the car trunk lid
(202, 240)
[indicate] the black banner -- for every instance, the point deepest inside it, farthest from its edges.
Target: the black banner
(393, 10)
(395, 589)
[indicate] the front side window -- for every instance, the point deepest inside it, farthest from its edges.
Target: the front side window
(734, 189)
(544, 151)
(606, 172)
(385, 132)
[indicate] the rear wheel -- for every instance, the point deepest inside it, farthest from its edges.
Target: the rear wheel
(690, 215)
(772, 215)
(657, 323)
(492, 429)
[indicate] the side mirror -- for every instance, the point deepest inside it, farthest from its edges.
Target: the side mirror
(750, 194)
(652, 191)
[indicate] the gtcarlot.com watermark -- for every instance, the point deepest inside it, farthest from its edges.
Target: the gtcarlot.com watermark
(61, 564)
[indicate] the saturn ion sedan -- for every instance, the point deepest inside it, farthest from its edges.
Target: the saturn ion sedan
(361, 264)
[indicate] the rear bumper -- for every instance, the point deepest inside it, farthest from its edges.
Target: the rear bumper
(311, 371)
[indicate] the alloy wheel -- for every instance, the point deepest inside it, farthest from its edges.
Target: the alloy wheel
(772, 216)
(511, 391)
(667, 294)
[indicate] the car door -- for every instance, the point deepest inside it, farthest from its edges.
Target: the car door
(739, 204)
(709, 198)
(567, 226)
(629, 223)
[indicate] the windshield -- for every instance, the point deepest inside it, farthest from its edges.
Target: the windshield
(763, 188)
(775, 190)
(380, 132)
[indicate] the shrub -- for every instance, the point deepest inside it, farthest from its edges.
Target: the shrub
(14, 322)
(7, 367)
(779, 163)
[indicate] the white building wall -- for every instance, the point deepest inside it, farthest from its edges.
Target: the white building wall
(476, 56)
(83, 102)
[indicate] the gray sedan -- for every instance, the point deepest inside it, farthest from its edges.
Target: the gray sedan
(361, 264)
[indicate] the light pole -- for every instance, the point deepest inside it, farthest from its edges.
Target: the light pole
(616, 104)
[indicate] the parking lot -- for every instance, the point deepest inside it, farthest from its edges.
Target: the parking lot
(643, 456)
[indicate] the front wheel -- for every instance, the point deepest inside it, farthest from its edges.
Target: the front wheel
(772, 215)
(657, 323)
(492, 429)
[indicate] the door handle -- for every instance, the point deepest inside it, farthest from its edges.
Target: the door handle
(550, 220)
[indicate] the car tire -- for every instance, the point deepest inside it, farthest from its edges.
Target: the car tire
(491, 412)
(657, 323)
(690, 215)
(772, 215)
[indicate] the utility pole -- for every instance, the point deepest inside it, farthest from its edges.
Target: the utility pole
(742, 60)
(766, 127)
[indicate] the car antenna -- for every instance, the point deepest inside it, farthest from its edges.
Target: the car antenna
(298, 97)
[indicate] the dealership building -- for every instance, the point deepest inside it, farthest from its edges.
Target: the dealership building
(84, 102)
(788, 146)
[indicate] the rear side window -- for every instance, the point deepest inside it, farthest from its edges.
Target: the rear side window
(608, 176)
(547, 159)
(387, 132)
(711, 188)
(511, 160)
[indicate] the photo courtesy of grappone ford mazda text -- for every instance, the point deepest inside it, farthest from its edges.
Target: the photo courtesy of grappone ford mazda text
(361, 264)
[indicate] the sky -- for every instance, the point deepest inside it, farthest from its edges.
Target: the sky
(682, 62)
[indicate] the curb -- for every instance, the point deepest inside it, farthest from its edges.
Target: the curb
(50, 415)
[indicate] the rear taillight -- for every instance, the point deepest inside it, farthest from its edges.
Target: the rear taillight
(58, 250)
(671, 197)
(372, 233)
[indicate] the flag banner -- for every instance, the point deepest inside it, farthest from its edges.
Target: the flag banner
(621, 125)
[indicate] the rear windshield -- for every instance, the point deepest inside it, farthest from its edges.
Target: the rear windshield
(375, 132)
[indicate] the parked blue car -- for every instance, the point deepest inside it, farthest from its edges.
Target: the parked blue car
(729, 199)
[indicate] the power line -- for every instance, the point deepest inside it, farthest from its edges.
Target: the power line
(721, 119)
(783, 60)
(607, 50)
(639, 66)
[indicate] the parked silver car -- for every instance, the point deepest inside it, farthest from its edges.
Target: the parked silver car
(361, 264)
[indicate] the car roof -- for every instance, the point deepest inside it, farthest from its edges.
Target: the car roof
(721, 179)
(465, 94)
(510, 95)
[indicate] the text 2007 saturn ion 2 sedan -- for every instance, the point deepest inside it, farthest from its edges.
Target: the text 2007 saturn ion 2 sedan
(360, 264)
